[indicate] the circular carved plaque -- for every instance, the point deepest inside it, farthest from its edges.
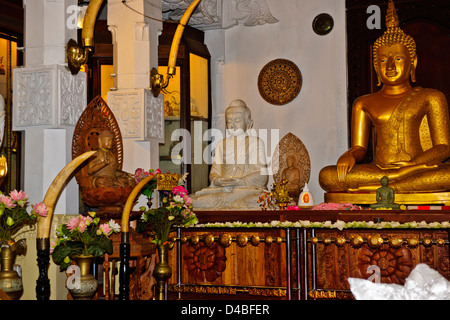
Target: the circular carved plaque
(279, 81)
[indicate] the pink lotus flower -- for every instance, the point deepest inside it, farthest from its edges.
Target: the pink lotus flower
(52, 246)
(40, 209)
(140, 174)
(187, 200)
(179, 190)
(73, 223)
(83, 223)
(105, 229)
(18, 195)
(7, 201)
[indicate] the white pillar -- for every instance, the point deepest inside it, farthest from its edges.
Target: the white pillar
(48, 100)
(140, 115)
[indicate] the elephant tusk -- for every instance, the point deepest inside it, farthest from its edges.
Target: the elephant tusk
(130, 203)
(53, 192)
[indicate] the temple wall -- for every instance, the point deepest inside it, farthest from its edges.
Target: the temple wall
(318, 114)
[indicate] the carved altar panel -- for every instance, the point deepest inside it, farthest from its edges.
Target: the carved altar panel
(335, 264)
(246, 263)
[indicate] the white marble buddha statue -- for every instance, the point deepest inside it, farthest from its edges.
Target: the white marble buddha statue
(239, 172)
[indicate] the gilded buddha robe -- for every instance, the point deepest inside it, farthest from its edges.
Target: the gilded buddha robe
(399, 140)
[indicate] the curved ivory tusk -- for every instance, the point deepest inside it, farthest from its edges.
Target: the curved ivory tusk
(51, 197)
(87, 34)
(177, 37)
(130, 203)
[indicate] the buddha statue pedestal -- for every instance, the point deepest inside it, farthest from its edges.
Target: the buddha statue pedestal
(367, 198)
(109, 201)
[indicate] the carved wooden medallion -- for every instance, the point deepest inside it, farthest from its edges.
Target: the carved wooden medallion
(279, 81)
(205, 264)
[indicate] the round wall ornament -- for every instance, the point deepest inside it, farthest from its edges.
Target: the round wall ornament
(279, 81)
(323, 24)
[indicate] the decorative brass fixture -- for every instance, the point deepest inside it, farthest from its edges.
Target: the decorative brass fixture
(77, 55)
(157, 81)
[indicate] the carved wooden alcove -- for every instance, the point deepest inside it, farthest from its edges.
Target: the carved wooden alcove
(427, 21)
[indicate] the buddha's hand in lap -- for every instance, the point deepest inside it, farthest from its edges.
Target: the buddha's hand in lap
(344, 165)
(228, 182)
(405, 169)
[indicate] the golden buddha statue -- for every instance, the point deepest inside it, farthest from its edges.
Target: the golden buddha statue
(410, 129)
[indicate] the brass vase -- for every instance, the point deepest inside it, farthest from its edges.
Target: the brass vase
(10, 281)
(162, 272)
(86, 287)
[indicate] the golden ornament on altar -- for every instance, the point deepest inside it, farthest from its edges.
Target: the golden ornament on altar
(208, 239)
(340, 240)
(395, 241)
(356, 240)
(225, 240)
(375, 240)
(413, 241)
(166, 181)
(427, 242)
(254, 240)
(241, 240)
(280, 192)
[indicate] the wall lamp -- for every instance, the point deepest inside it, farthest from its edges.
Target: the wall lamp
(77, 55)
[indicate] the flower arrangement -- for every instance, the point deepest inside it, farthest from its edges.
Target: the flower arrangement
(14, 216)
(82, 235)
(150, 187)
(176, 210)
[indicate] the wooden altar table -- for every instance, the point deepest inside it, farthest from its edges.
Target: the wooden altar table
(305, 258)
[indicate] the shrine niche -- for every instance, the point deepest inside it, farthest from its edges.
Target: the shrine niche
(291, 162)
(105, 189)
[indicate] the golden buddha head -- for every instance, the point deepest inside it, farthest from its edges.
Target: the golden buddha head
(402, 52)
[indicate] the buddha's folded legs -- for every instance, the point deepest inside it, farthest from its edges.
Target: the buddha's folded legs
(367, 177)
(361, 174)
(433, 180)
